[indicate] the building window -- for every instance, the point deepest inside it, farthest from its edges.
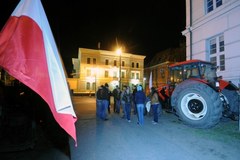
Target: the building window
(115, 63)
(137, 76)
(123, 74)
(88, 86)
(123, 63)
(88, 60)
(106, 62)
(106, 74)
(209, 5)
(132, 64)
(221, 43)
(212, 4)
(213, 46)
(216, 49)
(94, 61)
(114, 74)
(218, 3)
(222, 62)
(133, 75)
(137, 65)
(214, 60)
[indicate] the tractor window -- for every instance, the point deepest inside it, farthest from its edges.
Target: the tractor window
(190, 71)
(187, 71)
(195, 72)
(208, 72)
(176, 74)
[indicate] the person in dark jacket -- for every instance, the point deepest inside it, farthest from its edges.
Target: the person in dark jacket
(127, 98)
(109, 96)
(116, 97)
(104, 97)
(140, 99)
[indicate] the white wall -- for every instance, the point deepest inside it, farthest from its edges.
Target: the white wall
(226, 20)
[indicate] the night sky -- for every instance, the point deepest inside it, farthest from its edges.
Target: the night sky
(140, 27)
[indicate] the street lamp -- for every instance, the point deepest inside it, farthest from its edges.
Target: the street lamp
(119, 52)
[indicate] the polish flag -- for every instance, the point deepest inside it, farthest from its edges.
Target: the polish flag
(29, 53)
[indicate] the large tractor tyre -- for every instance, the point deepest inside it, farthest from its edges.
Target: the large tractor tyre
(197, 104)
(233, 101)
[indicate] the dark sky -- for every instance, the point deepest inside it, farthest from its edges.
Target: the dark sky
(143, 28)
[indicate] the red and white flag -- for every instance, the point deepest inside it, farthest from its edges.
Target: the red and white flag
(29, 53)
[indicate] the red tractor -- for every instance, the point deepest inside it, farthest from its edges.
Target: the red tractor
(198, 96)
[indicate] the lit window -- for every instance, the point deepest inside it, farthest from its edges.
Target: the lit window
(114, 74)
(137, 76)
(133, 75)
(123, 74)
(106, 74)
(88, 86)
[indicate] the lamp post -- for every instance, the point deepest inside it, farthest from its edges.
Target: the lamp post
(119, 52)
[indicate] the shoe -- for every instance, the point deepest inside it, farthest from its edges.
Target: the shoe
(154, 123)
(129, 121)
(139, 124)
(105, 119)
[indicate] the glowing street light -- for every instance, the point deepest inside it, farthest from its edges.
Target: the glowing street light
(119, 52)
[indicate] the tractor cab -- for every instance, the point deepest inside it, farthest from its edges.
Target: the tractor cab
(204, 71)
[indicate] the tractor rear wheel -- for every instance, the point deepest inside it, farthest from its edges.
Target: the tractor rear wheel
(197, 104)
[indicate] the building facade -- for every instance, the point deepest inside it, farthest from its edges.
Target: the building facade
(159, 75)
(94, 68)
(213, 34)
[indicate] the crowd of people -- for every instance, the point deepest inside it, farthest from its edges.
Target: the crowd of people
(127, 101)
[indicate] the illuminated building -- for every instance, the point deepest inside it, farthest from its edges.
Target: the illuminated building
(94, 68)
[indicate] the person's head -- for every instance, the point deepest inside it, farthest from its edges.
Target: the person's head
(153, 89)
(124, 87)
(106, 85)
(139, 88)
